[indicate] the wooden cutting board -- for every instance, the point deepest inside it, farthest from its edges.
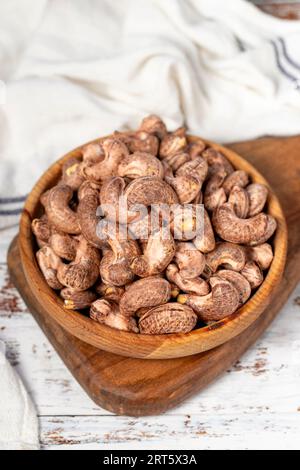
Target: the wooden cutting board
(140, 387)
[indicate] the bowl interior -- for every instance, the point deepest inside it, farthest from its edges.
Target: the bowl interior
(149, 346)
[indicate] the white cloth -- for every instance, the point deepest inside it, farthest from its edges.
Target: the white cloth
(75, 69)
(18, 420)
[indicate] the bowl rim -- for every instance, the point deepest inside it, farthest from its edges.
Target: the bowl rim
(151, 346)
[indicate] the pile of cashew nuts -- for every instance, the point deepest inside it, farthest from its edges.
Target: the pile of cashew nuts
(148, 283)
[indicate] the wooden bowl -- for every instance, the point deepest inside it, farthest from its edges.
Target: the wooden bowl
(150, 346)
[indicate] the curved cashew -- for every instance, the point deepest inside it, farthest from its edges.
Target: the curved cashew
(108, 314)
(56, 203)
(205, 241)
(195, 286)
(41, 230)
(252, 231)
(148, 292)
(71, 173)
(241, 284)
(217, 162)
(223, 300)
(154, 125)
(168, 318)
(63, 245)
(83, 272)
(114, 151)
(187, 222)
(258, 194)
(173, 143)
(49, 263)
(253, 274)
(142, 141)
(158, 253)
(110, 292)
(140, 164)
(177, 160)
(75, 300)
(214, 193)
(87, 213)
(261, 254)
(92, 153)
(196, 148)
(189, 179)
(115, 266)
(239, 199)
(229, 255)
(148, 191)
(237, 178)
(190, 261)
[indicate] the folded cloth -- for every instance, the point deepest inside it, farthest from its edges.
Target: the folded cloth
(18, 420)
(74, 70)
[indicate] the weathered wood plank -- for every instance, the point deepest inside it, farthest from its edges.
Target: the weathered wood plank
(205, 431)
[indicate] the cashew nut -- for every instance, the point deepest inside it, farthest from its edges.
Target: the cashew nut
(108, 314)
(173, 143)
(205, 240)
(114, 151)
(140, 164)
(253, 274)
(237, 178)
(223, 300)
(154, 125)
(168, 318)
(195, 286)
(77, 300)
(56, 203)
(239, 199)
(252, 231)
(261, 254)
(71, 173)
(228, 255)
(258, 194)
(49, 263)
(241, 284)
(190, 261)
(148, 292)
(83, 272)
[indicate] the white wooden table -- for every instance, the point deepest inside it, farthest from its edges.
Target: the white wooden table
(256, 404)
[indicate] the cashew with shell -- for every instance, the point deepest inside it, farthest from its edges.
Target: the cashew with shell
(253, 274)
(195, 286)
(108, 313)
(77, 300)
(190, 261)
(49, 263)
(168, 318)
(59, 213)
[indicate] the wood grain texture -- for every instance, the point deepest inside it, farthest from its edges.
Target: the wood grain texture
(137, 392)
(283, 9)
(149, 346)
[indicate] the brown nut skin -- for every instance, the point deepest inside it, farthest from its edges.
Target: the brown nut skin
(237, 178)
(252, 231)
(186, 223)
(153, 124)
(92, 153)
(173, 143)
(222, 301)
(159, 252)
(140, 164)
(261, 254)
(190, 261)
(148, 292)
(64, 245)
(49, 263)
(195, 286)
(142, 141)
(177, 160)
(149, 190)
(83, 272)
(239, 281)
(197, 168)
(195, 149)
(229, 255)
(87, 213)
(108, 314)
(114, 151)
(239, 199)
(110, 292)
(214, 193)
(253, 274)
(258, 194)
(205, 241)
(217, 162)
(115, 266)
(56, 202)
(187, 187)
(74, 300)
(41, 230)
(168, 318)
(71, 173)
